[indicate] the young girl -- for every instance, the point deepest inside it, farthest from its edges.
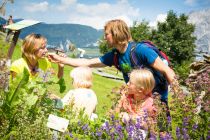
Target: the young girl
(137, 101)
(34, 59)
(82, 96)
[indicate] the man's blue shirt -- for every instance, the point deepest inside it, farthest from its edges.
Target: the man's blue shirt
(146, 56)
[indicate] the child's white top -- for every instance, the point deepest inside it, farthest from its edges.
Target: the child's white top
(82, 98)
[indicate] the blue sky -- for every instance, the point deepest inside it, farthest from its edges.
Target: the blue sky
(96, 13)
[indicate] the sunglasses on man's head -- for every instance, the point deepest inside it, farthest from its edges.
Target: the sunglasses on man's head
(37, 35)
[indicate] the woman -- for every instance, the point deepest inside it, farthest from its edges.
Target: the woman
(34, 59)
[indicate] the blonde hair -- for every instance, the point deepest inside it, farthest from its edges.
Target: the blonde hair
(82, 77)
(31, 44)
(143, 78)
(120, 32)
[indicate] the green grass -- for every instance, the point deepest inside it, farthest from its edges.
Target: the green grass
(102, 86)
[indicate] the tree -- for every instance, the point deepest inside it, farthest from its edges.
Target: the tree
(3, 4)
(174, 36)
(140, 31)
(103, 46)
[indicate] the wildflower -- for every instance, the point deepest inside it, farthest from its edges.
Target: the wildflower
(195, 126)
(208, 136)
(185, 135)
(71, 135)
(107, 127)
(84, 128)
(169, 119)
(168, 136)
(178, 134)
(112, 118)
(152, 137)
(98, 133)
(79, 122)
(185, 121)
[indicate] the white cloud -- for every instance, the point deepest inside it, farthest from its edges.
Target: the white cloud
(97, 15)
(159, 18)
(190, 2)
(34, 7)
(66, 4)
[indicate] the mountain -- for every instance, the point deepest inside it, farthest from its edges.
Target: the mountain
(59, 34)
(2, 21)
(201, 20)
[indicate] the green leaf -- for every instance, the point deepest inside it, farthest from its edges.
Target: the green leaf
(62, 85)
(31, 100)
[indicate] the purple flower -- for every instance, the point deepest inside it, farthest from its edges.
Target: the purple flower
(168, 136)
(98, 133)
(208, 136)
(130, 130)
(195, 126)
(107, 127)
(84, 127)
(185, 122)
(169, 119)
(152, 137)
(119, 128)
(178, 134)
(79, 122)
(138, 126)
(112, 136)
(185, 135)
(112, 117)
(71, 135)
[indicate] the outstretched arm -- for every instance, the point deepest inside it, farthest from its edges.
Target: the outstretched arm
(164, 69)
(75, 62)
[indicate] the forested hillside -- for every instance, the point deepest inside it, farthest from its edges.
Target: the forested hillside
(79, 35)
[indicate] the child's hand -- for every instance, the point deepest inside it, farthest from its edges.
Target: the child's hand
(52, 57)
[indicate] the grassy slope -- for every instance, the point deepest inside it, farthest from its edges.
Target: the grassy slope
(102, 86)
